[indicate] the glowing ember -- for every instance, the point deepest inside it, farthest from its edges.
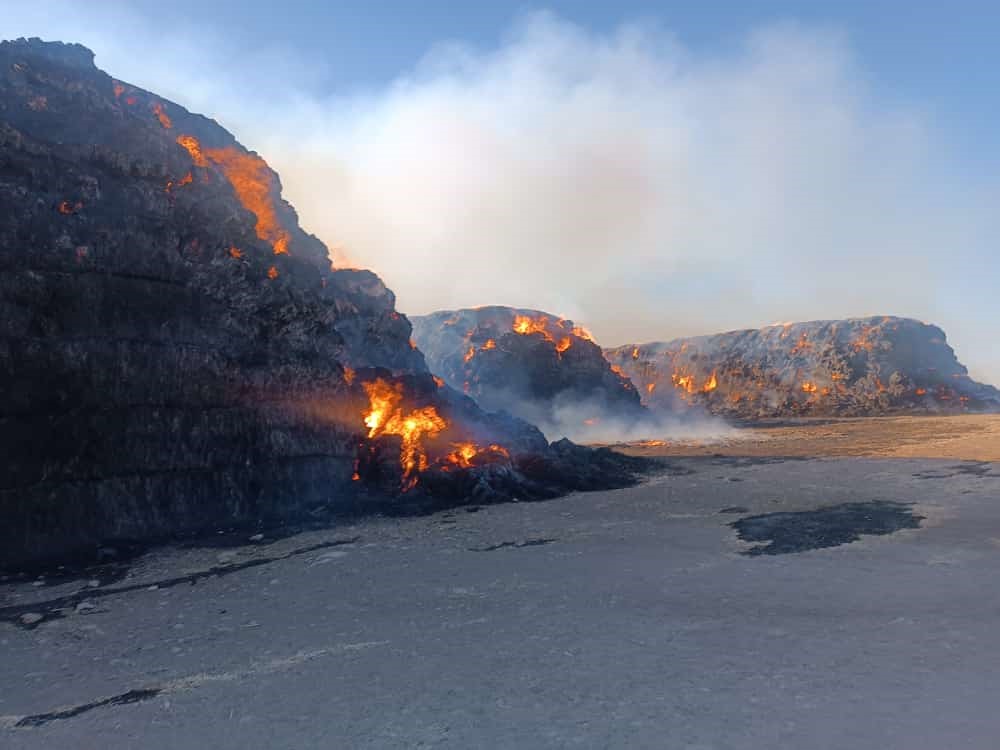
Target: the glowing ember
(67, 209)
(469, 354)
(438, 381)
(921, 391)
(386, 417)
(162, 116)
(618, 371)
(710, 385)
(490, 344)
(564, 343)
(635, 353)
(864, 340)
(235, 252)
(253, 182)
(272, 273)
(808, 387)
(651, 387)
(191, 145)
(348, 374)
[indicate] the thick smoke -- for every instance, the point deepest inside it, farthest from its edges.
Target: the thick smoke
(619, 179)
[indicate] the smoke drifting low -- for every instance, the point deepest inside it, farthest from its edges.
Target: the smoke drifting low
(619, 179)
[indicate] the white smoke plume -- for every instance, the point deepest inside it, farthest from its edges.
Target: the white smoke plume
(619, 179)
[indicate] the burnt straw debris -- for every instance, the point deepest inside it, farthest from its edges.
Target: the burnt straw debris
(515, 545)
(832, 526)
(31, 615)
(178, 354)
(123, 699)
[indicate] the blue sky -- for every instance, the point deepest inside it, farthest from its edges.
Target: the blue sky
(651, 169)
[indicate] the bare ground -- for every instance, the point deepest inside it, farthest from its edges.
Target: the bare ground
(965, 437)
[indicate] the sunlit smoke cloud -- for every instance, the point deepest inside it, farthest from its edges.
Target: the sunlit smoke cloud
(620, 179)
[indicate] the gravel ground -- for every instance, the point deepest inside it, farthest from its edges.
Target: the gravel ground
(636, 618)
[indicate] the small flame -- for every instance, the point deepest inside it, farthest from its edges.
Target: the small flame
(635, 352)
(583, 333)
(162, 116)
(235, 252)
(711, 384)
(469, 354)
(651, 387)
(272, 273)
(564, 343)
(490, 344)
(438, 381)
(921, 391)
(808, 387)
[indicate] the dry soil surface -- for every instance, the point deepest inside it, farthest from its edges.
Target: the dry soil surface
(966, 437)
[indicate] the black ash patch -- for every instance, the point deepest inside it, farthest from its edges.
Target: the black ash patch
(783, 533)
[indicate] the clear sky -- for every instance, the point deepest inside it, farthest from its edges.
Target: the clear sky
(650, 168)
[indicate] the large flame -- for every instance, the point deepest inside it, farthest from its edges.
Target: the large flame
(386, 416)
(525, 324)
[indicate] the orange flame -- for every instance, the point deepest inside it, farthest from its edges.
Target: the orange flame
(272, 273)
(711, 384)
(438, 381)
(162, 116)
(67, 209)
(583, 333)
(191, 145)
(564, 343)
(525, 324)
(254, 183)
(618, 371)
(921, 391)
(235, 252)
(385, 416)
(469, 354)
(635, 352)
(490, 344)
(808, 387)
(650, 387)
(684, 382)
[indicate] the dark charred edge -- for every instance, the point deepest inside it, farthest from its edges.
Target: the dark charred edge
(515, 545)
(735, 509)
(52, 608)
(830, 526)
(123, 699)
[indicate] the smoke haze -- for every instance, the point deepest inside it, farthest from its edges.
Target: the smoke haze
(620, 180)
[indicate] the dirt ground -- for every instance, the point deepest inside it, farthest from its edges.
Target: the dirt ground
(966, 437)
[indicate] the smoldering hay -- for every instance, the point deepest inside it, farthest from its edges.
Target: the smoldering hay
(645, 187)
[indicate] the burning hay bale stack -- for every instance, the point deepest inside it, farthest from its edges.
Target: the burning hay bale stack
(858, 367)
(532, 364)
(178, 354)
